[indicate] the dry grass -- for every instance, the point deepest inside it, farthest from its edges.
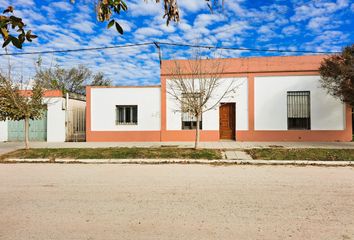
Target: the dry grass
(302, 154)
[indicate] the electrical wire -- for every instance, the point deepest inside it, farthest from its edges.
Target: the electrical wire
(166, 44)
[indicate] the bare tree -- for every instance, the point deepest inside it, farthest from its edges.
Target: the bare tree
(16, 104)
(198, 87)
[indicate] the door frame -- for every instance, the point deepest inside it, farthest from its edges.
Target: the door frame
(233, 107)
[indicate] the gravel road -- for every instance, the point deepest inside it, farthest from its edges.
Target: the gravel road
(73, 201)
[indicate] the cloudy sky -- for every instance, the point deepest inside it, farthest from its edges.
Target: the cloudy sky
(320, 25)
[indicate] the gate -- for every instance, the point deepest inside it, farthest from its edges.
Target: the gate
(76, 125)
(37, 130)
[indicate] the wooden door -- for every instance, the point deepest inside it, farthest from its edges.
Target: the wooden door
(227, 121)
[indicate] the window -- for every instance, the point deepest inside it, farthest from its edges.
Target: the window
(189, 121)
(299, 110)
(126, 115)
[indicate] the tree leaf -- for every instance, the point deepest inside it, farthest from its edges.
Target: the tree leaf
(111, 23)
(7, 41)
(4, 33)
(119, 28)
(124, 5)
(16, 42)
(8, 9)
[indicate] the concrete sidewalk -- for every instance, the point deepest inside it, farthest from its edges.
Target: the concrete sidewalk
(9, 147)
(4, 147)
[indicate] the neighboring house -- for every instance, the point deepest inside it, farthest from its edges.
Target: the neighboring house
(53, 127)
(278, 99)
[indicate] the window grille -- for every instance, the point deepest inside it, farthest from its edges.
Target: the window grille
(299, 116)
(126, 115)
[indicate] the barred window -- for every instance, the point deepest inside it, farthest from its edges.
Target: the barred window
(126, 115)
(299, 116)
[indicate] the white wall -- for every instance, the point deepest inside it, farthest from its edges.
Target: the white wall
(103, 108)
(55, 119)
(327, 113)
(3, 131)
(211, 118)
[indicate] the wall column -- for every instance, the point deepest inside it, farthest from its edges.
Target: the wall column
(250, 102)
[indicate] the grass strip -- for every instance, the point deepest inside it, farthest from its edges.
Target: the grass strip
(302, 154)
(114, 153)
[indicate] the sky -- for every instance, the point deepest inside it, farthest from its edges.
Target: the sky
(320, 25)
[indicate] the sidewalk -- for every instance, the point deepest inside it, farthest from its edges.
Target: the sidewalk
(212, 145)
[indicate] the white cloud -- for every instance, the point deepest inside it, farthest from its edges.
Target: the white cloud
(142, 8)
(290, 30)
(21, 3)
(317, 8)
(148, 32)
(62, 6)
(192, 5)
(84, 26)
(318, 23)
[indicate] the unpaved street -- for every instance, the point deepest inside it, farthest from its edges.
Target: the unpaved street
(69, 201)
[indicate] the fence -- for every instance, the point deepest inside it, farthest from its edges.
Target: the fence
(76, 125)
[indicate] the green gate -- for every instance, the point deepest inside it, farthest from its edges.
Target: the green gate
(37, 130)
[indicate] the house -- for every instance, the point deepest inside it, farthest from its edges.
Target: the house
(278, 99)
(56, 125)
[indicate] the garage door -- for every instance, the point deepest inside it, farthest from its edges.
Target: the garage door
(37, 130)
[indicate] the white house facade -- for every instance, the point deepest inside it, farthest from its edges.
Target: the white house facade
(276, 99)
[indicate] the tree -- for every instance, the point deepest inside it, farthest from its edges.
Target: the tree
(9, 24)
(73, 80)
(337, 75)
(100, 80)
(197, 87)
(16, 104)
(105, 9)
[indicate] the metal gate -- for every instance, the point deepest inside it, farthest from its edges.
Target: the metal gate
(76, 125)
(37, 130)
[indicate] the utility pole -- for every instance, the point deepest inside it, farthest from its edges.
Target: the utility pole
(160, 53)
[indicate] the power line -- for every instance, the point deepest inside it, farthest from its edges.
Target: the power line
(244, 49)
(168, 44)
(76, 50)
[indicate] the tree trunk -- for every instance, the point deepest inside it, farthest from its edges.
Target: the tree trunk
(197, 133)
(27, 133)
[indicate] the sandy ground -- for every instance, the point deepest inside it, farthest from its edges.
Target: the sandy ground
(63, 201)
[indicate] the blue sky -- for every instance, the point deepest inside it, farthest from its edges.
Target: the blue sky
(321, 25)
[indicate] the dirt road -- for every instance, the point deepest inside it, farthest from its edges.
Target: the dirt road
(64, 201)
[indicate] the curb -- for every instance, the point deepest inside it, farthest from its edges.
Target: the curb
(186, 161)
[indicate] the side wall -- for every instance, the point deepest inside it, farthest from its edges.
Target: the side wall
(55, 119)
(101, 113)
(3, 131)
(330, 119)
(327, 113)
